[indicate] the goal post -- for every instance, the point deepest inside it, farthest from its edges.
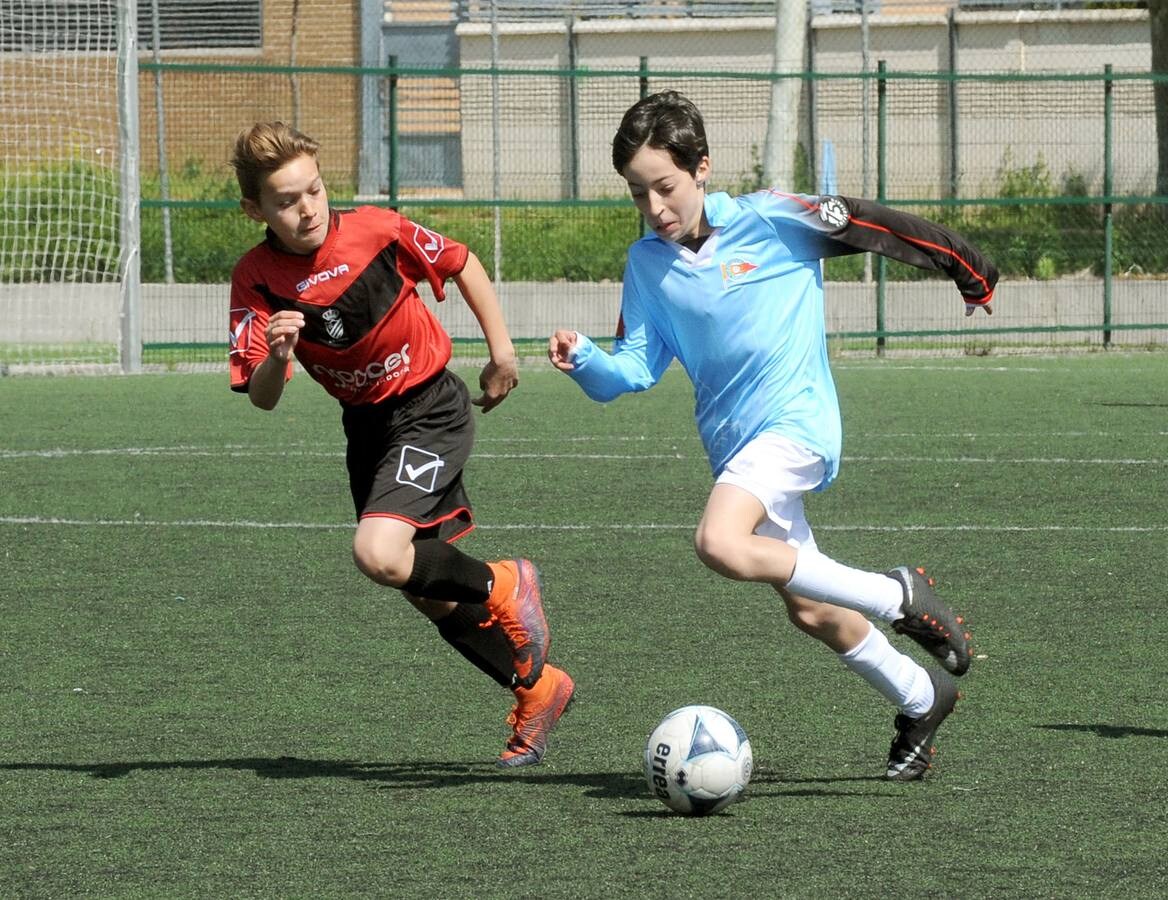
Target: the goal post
(130, 257)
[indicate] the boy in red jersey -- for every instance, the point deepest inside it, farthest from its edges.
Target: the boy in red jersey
(337, 289)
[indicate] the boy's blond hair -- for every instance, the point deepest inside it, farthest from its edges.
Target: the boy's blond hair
(262, 149)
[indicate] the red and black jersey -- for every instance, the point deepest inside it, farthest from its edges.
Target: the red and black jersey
(367, 334)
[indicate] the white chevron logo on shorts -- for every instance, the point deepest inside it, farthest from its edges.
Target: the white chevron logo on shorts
(419, 468)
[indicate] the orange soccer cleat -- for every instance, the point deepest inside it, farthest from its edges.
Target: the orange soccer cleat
(515, 603)
(535, 714)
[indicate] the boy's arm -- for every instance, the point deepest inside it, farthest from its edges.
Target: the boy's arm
(857, 225)
(501, 373)
(638, 360)
(266, 385)
(921, 243)
(262, 342)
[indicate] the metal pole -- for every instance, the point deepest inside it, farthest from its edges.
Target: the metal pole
(642, 225)
(812, 90)
(370, 165)
(391, 111)
(573, 118)
(1108, 185)
(294, 77)
(881, 187)
(496, 146)
(130, 257)
(865, 118)
(160, 118)
(954, 119)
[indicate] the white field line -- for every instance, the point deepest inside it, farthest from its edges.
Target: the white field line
(230, 452)
(962, 370)
(613, 526)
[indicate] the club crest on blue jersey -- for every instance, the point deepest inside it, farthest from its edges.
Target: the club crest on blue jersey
(735, 269)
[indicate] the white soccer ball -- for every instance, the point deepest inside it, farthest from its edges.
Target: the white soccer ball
(698, 760)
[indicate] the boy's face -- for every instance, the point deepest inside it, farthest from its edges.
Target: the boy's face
(670, 198)
(294, 204)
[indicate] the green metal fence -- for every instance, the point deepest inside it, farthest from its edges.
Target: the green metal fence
(1052, 174)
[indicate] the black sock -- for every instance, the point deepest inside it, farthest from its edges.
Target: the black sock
(443, 573)
(486, 648)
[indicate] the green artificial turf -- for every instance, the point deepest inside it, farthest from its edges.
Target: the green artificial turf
(201, 696)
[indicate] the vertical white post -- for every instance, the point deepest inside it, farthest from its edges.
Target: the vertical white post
(783, 122)
(130, 258)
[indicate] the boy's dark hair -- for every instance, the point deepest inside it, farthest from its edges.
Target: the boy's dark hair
(665, 121)
(264, 148)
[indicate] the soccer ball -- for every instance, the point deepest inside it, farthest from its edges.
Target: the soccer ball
(698, 760)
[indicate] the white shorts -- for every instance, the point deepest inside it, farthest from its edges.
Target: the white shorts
(777, 472)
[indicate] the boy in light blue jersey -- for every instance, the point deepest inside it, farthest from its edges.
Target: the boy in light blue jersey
(732, 288)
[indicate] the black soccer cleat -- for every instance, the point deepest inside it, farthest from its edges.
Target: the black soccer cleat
(929, 622)
(911, 753)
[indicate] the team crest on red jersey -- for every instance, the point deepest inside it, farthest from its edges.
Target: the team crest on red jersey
(429, 242)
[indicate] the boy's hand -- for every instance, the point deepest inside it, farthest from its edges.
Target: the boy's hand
(496, 381)
(283, 332)
(560, 347)
(981, 303)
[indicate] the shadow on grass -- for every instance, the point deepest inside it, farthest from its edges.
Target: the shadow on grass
(434, 775)
(1138, 404)
(1110, 731)
(392, 775)
(779, 786)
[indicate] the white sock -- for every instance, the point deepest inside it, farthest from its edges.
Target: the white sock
(821, 578)
(897, 678)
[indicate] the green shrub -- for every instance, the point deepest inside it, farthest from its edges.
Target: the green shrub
(49, 236)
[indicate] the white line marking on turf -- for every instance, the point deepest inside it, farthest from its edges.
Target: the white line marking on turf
(963, 370)
(61, 453)
(615, 526)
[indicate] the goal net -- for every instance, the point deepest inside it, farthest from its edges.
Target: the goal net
(59, 183)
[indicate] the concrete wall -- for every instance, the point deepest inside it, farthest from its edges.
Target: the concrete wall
(197, 313)
(998, 125)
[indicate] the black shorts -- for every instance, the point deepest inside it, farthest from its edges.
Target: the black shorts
(405, 457)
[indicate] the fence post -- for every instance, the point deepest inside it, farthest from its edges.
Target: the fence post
(372, 143)
(954, 120)
(881, 184)
(573, 116)
(160, 142)
(391, 112)
(642, 225)
(1108, 112)
(130, 256)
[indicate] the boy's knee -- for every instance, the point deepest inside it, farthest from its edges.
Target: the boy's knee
(714, 549)
(386, 565)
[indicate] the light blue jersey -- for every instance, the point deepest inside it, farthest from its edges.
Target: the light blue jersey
(744, 317)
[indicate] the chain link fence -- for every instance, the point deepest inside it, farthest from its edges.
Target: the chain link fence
(492, 123)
